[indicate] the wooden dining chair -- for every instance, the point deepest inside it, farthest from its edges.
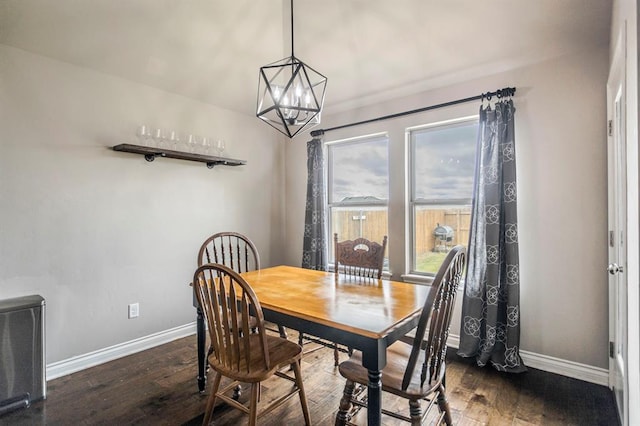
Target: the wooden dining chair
(235, 251)
(239, 253)
(359, 258)
(414, 371)
(241, 354)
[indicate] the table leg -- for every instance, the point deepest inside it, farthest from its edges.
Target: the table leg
(374, 401)
(202, 376)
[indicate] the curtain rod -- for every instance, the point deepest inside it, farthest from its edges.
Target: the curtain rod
(500, 93)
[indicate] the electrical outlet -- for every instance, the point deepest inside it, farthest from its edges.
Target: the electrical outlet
(134, 310)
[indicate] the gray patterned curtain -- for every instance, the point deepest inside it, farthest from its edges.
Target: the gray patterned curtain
(314, 245)
(490, 327)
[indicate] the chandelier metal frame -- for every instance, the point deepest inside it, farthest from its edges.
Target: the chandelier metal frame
(290, 93)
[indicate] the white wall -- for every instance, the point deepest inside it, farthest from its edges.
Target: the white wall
(92, 230)
(561, 158)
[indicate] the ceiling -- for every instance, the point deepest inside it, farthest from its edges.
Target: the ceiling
(370, 50)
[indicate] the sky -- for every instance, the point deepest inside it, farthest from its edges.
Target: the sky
(360, 169)
(444, 162)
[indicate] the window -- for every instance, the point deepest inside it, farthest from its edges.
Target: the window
(442, 161)
(358, 189)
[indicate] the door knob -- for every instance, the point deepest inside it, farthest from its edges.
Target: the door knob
(614, 268)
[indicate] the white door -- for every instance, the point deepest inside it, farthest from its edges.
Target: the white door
(617, 172)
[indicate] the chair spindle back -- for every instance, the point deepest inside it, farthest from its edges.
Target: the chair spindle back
(230, 249)
(227, 301)
(436, 313)
(359, 257)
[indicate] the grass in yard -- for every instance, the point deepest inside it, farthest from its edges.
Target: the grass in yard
(430, 261)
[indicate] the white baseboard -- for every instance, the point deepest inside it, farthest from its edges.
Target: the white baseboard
(588, 373)
(563, 367)
(81, 362)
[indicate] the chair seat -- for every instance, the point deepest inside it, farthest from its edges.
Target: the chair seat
(281, 352)
(392, 374)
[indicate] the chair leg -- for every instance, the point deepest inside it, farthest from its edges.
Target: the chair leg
(212, 399)
(253, 404)
(303, 397)
(415, 412)
(282, 331)
(336, 357)
(301, 338)
(345, 403)
(443, 404)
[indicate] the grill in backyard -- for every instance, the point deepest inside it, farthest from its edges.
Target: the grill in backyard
(443, 238)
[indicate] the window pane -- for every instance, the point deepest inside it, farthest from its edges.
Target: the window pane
(366, 222)
(437, 230)
(359, 171)
(444, 161)
(355, 222)
(358, 189)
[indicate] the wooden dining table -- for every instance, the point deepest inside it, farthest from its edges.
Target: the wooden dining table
(363, 314)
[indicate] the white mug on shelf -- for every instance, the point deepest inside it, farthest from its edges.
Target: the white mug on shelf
(187, 143)
(192, 143)
(144, 135)
(159, 138)
(206, 146)
(220, 146)
(174, 140)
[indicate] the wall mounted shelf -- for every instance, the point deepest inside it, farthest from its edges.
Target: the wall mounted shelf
(150, 153)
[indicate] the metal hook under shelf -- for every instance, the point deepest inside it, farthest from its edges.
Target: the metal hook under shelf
(151, 157)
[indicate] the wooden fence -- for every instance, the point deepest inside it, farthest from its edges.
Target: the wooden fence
(428, 219)
(373, 225)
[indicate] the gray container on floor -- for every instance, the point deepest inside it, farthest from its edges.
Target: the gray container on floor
(22, 352)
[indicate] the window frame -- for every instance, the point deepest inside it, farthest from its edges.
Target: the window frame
(412, 203)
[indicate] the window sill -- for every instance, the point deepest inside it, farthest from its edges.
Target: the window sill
(417, 279)
(426, 280)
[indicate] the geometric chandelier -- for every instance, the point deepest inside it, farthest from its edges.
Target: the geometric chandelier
(290, 94)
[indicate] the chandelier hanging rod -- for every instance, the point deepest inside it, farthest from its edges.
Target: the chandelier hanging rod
(500, 93)
(292, 28)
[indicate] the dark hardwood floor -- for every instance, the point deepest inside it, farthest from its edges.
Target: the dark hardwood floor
(158, 387)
